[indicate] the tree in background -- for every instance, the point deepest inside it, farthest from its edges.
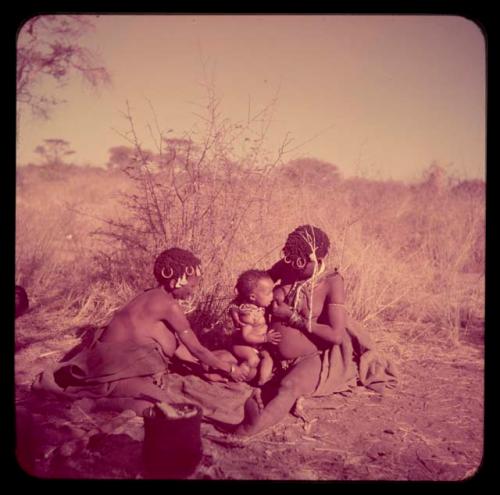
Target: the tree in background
(49, 47)
(435, 178)
(120, 157)
(311, 172)
(54, 151)
(125, 157)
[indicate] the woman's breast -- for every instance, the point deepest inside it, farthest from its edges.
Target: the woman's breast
(294, 343)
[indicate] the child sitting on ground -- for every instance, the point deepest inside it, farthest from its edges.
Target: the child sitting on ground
(254, 290)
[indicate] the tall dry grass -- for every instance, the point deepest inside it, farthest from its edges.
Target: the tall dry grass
(412, 255)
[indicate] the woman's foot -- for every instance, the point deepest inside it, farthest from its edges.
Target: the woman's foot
(253, 408)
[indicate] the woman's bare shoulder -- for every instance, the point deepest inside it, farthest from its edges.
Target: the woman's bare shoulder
(335, 287)
(334, 273)
(157, 300)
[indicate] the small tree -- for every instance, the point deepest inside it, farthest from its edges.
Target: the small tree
(205, 190)
(120, 157)
(434, 178)
(311, 172)
(48, 47)
(54, 151)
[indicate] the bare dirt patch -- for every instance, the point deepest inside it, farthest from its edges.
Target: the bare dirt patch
(430, 428)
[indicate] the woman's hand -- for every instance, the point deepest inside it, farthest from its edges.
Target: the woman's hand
(281, 310)
(239, 373)
(273, 337)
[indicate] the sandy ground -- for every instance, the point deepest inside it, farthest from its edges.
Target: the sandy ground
(430, 428)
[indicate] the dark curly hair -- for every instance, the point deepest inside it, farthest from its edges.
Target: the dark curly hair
(173, 262)
(303, 239)
(247, 282)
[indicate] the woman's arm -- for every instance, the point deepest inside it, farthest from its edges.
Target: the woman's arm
(332, 332)
(179, 323)
(335, 302)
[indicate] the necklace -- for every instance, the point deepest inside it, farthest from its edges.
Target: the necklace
(299, 286)
(187, 305)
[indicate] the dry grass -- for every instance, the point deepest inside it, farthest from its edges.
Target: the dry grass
(413, 260)
(412, 255)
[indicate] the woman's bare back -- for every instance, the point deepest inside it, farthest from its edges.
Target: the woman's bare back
(141, 321)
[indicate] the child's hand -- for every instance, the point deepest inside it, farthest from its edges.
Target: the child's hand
(273, 337)
(281, 310)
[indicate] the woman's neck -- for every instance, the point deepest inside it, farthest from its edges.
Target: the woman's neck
(317, 272)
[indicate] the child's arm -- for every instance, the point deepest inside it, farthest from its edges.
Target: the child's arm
(234, 313)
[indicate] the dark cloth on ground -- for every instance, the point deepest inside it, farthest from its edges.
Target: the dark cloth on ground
(355, 358)
(99, 371)
(99, 366)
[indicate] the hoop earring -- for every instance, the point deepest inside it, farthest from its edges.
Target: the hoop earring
(163, 272)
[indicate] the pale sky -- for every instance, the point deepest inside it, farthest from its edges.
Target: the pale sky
(387, 95)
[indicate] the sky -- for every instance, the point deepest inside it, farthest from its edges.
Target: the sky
(378, 96)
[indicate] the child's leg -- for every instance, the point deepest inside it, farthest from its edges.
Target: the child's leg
(247, 354)
(266, 367)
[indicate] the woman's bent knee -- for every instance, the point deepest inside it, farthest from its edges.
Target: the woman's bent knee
(290, 387)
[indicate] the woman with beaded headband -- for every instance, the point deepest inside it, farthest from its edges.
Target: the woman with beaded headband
(309, 313)
(127, 357)
(163, 310)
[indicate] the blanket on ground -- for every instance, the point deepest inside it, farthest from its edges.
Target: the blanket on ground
(355, 358)
(96, 369)
(99, 370)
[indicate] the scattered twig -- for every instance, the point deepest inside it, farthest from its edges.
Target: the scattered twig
(325, 449)
(88, 417)
(45, 354)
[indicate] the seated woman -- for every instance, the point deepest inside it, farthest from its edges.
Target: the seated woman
(310, 315)
(126, 358)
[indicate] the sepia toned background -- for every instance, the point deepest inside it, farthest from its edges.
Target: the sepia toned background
(221, 134)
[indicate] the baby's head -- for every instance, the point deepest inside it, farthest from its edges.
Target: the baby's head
(178, 271)
(256, 287)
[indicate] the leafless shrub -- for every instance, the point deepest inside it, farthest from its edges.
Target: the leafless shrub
(205, 191)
